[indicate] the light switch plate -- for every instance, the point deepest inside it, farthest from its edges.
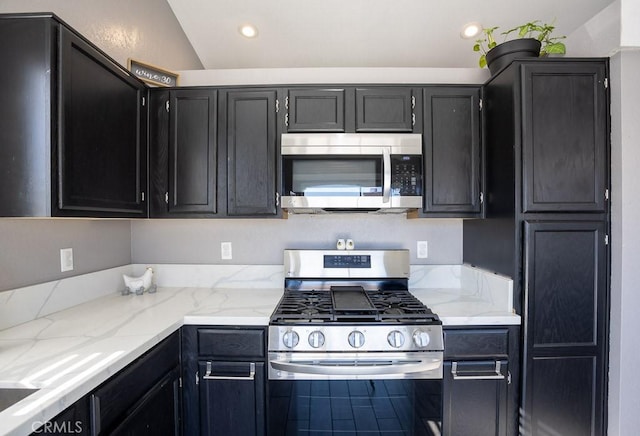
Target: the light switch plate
(66, 259)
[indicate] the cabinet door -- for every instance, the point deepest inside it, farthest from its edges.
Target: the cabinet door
(565, 141)
(232, 398)
(475, 398)
(385, 109)
(192, 152)
(315, 110)
(26, 50)
(138, 388)
(251, 153)
(566, 298)
(101, 150)
(452, 150)
(158, 412)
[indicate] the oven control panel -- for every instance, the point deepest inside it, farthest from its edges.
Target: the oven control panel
(347, 261)
(356, 338)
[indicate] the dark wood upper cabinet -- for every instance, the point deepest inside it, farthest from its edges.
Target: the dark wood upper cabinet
(315, 110)
(252, 152)
(564, 131)
(192, 151)
(183, 153)
(73, 125)
(383, 109)
(452, 150)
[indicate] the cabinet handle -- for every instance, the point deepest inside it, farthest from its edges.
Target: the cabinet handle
(277, 199)
(95, 415)
(413, 119)
(251, 376)
(496, 375)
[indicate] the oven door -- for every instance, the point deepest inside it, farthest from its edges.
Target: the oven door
(349, 394)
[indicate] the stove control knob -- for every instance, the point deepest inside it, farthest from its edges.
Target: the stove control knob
(395, 339)
(316, 339)
(356, 339)
(421, 338)
(290, 339)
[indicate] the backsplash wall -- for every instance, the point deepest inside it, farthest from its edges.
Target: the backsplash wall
(261, 241)
(30, 251)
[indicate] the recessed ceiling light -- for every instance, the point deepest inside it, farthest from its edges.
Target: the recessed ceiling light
(471, 30)
(248, 31)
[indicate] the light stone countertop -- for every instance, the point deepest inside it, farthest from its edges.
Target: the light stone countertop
(69, 353)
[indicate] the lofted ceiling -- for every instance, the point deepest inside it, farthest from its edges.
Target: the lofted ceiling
(359, 33)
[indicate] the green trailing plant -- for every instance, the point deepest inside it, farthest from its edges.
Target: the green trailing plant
(534, 29)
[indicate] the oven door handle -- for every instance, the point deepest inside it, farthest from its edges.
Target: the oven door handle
(362, 367)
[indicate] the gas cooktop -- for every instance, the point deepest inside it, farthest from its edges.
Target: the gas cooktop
(348, 304)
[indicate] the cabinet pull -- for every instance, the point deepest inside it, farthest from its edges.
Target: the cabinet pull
(496, 375)
(95, 415)
(251, 376)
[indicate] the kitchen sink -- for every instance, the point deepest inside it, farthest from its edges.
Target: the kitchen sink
(11, 394)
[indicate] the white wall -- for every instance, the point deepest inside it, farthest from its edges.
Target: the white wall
(145, 30)
(624, 401)
(268, 76)
(614, 33)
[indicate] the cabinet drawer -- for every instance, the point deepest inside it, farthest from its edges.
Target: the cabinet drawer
(475, 343)
(231, 343)
(111, 401)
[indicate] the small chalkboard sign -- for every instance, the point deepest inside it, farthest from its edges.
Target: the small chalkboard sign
(152, 74)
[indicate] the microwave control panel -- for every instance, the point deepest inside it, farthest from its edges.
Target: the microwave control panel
(406, 175)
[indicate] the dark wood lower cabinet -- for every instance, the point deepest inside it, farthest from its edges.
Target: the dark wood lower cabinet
(565, 368)
(158, 413)
(481, 381)
(224, 389)
(143, 398)
(475, 398)
(232, 398)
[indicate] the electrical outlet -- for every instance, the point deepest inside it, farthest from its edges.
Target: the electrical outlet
(225, 250)
(423, 249)
(66, 259)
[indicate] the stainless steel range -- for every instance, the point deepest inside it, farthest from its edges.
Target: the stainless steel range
(351, 348)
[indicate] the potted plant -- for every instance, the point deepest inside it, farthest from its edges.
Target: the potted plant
(532, 39)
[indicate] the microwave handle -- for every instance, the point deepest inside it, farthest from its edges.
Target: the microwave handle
(386, 169)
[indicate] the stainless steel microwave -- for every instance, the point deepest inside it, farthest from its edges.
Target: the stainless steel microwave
(351, 172)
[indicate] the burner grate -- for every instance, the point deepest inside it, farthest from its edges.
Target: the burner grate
(343, 305)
